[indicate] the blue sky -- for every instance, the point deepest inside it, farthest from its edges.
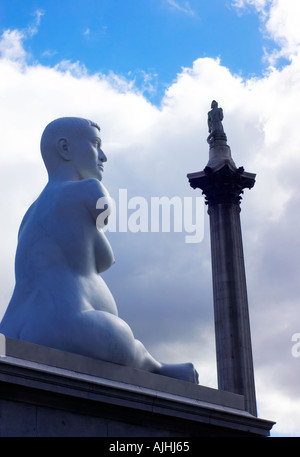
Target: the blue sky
(146, 40)
(147, 71)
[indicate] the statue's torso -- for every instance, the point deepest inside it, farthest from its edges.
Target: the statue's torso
(59, 257)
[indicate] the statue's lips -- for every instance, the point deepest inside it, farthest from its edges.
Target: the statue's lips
(101, 167)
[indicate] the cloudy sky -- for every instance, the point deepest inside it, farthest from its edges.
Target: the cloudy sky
(147, 71)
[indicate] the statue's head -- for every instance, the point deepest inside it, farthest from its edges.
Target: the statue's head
(214, 104)
(72, 145)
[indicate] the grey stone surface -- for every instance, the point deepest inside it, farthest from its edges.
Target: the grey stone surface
(29, 352)
(43, 399)
(219, 155)
(232, 322)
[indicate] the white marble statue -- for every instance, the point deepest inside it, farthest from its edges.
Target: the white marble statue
(60, 300)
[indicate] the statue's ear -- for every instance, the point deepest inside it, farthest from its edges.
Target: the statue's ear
(63, 148)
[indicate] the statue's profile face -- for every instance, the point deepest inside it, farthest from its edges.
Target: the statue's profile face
(87, 155)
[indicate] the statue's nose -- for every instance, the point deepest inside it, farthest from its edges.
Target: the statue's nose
(102, 156)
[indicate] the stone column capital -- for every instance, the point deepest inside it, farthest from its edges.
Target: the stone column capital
(222, 184)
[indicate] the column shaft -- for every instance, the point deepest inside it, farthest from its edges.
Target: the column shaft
(232, 327)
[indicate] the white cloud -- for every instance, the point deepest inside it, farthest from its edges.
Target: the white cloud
(11, 45)
(158, 280)
(260, 5)
(32, 29)
(281, 24)
(49, 53)
(182, 6)
(12, 41)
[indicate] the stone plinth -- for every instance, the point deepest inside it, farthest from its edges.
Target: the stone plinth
(45, 392)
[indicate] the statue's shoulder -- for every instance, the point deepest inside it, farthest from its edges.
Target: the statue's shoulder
(84, 189)
(72, 194)
(86, 193)
(92, 188)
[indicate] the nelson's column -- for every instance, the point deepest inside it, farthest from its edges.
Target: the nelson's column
(222, 184)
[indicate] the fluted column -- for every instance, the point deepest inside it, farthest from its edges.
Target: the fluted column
(222, 183)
